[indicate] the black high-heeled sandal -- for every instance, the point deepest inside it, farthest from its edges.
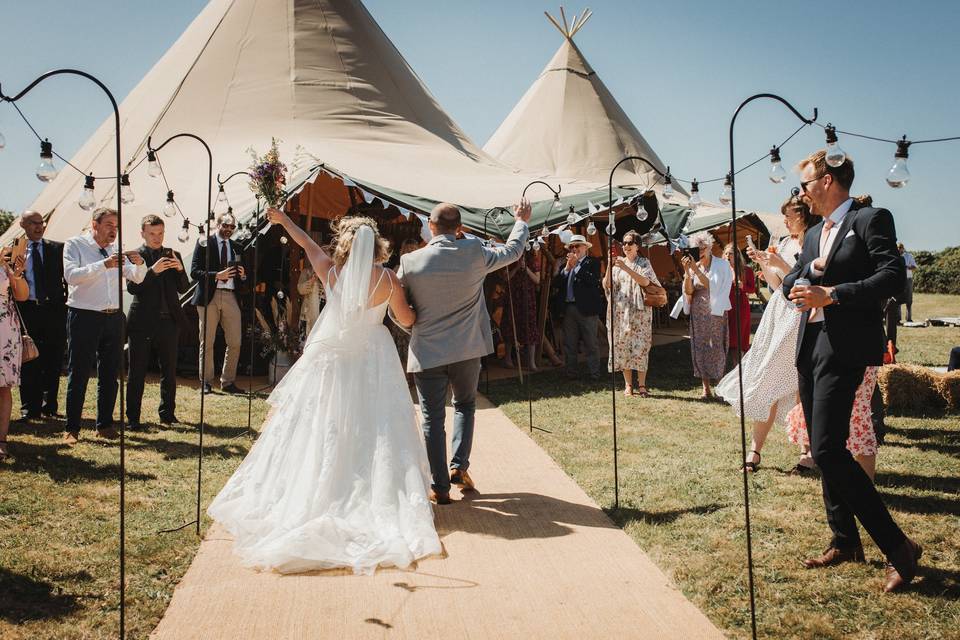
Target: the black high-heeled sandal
(752, 466)
(4, 454)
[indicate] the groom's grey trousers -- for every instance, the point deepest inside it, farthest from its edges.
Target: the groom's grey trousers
(432, 385)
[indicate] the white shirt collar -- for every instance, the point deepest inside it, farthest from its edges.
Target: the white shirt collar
(840, 212)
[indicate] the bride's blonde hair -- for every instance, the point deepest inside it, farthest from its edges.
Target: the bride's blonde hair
(345, 229)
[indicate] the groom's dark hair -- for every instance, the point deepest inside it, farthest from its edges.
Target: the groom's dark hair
(446, 216)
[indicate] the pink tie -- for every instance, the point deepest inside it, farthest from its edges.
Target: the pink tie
(824, 234)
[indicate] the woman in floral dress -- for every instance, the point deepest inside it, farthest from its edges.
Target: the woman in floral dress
(12, 287)
(633, 324)
(522, 300)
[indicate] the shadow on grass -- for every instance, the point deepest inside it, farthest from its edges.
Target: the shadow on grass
(924, 483)
(24, 598)
(917, 433)
(216, 431)
(47, 458)
(937, 583)
(921, 504)
(945, 448)
(625, 516)
(177, 450)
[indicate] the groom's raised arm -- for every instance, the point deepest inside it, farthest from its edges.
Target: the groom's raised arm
(499, 257)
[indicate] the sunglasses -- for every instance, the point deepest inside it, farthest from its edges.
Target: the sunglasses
(803, 184)
(628, 242)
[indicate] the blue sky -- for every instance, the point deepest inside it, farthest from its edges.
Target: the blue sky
(679, 70)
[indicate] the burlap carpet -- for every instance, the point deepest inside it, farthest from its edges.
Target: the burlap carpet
(528, 556)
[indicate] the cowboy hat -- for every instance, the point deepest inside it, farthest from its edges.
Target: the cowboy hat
(576, 239)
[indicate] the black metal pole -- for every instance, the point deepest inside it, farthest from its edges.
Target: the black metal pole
(120, 288)
(736, 282)
(206, 282)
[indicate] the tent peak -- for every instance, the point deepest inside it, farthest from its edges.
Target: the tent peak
(569, 29)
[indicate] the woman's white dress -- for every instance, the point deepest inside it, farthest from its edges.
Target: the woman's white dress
(769, 367)
(339, 476)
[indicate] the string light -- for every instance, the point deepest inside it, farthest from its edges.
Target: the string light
(170, 208)
(899, 175)
(726, 194)
(3, 140)
(667, 190)
(695, 199)
(642, 214)
(611, 228)
(221, 201)
(572, 216)
(835, 155)
(45, 170)
(153, 167)
(87, 199)
(591, 229)
(184, 234)
(777, 173)
(126, 191)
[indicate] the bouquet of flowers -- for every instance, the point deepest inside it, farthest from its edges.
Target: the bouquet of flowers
(268, 176)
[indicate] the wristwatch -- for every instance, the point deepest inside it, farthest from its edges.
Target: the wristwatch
(834, 297)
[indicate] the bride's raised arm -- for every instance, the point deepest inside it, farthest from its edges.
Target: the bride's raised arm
(318, 258)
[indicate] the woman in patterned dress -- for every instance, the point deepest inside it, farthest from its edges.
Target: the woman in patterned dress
(633, 324)
(522, 299)
(13, 287)
(706, 299)
(748, 285)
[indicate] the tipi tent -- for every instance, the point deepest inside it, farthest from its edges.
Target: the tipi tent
(317, 74)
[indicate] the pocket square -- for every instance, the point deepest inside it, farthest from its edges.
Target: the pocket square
(849, 233)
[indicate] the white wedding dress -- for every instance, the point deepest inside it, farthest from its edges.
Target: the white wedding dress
(339, 475)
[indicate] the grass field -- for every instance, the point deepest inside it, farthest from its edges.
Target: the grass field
(681, 500)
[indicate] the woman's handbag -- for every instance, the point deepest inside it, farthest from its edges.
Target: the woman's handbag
(654, 296)
(28, 348)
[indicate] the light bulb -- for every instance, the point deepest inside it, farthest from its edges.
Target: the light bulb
(170, 208)
(572, 216)
(283, 240)
(611, 228)
(777, 173)
(899, 175)
(642, 214)
(221, 204)
(184, 234)
(153, 167)
(591, 229)
(126, 192)
(45, 170)
(667, 189)
(835, 155)
(87, 200)
(280, 295)
(544, 231)
(3, 141)
(695, 199)
(726, 195)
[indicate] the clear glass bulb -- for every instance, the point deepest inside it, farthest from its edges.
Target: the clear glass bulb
(571, 218)
(169, 209)
(726, 195)
(899, 175)
(777, 173)
(153, 169)
(498, 217)
(126, 194)
(87, 200)
(667, 194)
(221, 203)
(45, 170)
(184, 235)
(695, 199)
(611, 228)
(835, 155)
(642, 214)
(544, 231)
(591, 229)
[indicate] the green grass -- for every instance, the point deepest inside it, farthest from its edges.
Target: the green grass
(681, 499)
(929, 346)
(59, 522)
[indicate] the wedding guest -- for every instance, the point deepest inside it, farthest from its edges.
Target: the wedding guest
(852, 261)
(217, 290)
(706, 299)
(632, 324)
(156, 319)
(539, 263)
(911, 264)
(747, 286)
(401, 338)
(769, 368)
(520, 308)
(953, 363)
(309, 287)
(95, 319)
(578, 286)
(13, 287)
(44, 314)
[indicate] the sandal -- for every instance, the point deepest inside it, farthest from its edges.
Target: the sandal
(4, 454)
(628, 391)
(800, 470)
(642, 392)
(752, 467)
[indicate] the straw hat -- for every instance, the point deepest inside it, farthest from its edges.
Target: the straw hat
(576, 239)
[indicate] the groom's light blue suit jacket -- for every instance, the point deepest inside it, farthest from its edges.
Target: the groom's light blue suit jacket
(444, 281)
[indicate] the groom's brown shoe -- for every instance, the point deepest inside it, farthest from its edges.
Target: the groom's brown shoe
(462, 478)
(903, 566)
(439, 498)
(833, 556)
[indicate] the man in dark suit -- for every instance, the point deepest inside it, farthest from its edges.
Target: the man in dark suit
(852, 262)
(217, 290)
(45, 315)
(581, 299)
(155, 319)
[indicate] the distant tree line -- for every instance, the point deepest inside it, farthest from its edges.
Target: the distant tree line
(937, 271)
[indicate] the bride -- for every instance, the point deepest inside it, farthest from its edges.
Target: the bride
(339, 475)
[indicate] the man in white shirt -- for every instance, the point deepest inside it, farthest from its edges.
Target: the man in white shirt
(911, 263)
(217, 290)
(95, 319)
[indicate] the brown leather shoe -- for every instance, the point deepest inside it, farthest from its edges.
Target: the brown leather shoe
(903, 565)
(71, 437)
(462, 478)
(439, 498)
(109, 433)
(833, 556)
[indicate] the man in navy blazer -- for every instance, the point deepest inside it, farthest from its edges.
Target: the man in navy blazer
(853, 265)
(580, 297)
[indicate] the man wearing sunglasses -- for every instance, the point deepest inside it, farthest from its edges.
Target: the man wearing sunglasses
(852, 263)
(217, 290)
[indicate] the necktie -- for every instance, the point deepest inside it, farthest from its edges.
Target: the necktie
(104, 253)
(223, 254)
(39, 286)
(570, 296)
(824, 234)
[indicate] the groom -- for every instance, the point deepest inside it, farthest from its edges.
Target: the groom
(444, 281)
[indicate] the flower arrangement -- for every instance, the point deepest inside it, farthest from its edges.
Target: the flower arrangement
(268, 176)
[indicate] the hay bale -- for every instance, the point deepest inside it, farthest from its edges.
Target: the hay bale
(949, 387)
(909, 388)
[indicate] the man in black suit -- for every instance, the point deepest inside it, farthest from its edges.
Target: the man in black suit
(581, 299)
(45, 315)
(852, 262)
(217, 289)
(155, 319)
